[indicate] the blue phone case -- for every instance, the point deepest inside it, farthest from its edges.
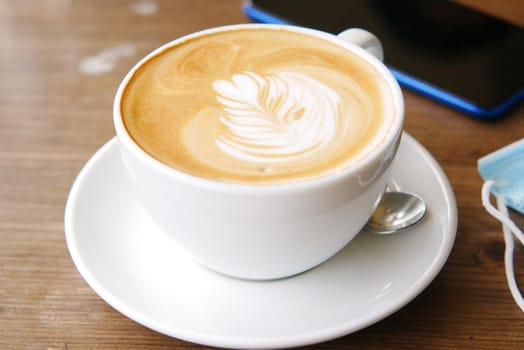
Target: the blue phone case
(412, 82)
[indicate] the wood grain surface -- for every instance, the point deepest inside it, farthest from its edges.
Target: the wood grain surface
(54, 116)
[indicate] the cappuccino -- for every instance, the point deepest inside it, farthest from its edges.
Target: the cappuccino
(257, 105)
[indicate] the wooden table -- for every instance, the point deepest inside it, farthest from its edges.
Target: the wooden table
(55, 113)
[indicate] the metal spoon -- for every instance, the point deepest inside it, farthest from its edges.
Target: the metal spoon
(395, 212)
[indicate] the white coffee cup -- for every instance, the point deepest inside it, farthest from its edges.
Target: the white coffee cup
(267, 231)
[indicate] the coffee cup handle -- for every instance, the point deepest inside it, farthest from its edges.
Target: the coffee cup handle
(365, 40)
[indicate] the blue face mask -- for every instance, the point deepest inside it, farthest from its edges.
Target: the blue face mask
(503, 173)
(505, 168)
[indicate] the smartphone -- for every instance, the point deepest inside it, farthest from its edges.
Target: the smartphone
(443, 50)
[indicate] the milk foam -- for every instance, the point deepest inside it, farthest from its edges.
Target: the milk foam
(257, 106)
(276, 118)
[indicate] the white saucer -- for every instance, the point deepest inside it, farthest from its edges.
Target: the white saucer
(135, 268)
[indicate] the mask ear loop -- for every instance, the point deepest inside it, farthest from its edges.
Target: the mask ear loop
(509, 228)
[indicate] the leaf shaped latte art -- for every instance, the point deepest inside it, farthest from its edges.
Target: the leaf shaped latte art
(276, 118)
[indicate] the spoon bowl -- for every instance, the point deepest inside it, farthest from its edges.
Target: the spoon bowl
(396, 211)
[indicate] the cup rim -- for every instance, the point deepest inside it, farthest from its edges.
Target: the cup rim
(390, 136)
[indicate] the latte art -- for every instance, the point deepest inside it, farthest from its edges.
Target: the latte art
(257, 105)
(276, 118)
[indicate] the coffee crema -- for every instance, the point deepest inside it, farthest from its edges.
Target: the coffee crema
(257, 105)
